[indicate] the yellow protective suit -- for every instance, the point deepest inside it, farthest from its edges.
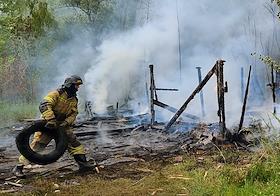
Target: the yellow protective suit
(57, 105)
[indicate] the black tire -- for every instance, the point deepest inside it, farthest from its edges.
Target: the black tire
(59, 135)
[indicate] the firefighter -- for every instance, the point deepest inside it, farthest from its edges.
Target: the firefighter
(59, 108)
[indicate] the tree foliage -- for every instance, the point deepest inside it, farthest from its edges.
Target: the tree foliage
(29, 28)
(277, 2)
(97, 12)
(25, 18)
(268, 60)
(22, 22)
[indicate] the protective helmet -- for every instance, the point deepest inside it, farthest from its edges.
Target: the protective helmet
(74, 79)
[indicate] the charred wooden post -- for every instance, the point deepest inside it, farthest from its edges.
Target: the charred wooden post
(201, 92)
(223, 91)
(218, 93)
(198, 88)
(245, 101)
(221, 96)
(273, 90)
(152, 91)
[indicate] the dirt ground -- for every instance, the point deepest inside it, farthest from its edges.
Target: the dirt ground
(118, 148)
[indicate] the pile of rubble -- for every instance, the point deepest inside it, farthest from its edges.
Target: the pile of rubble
(112, 140)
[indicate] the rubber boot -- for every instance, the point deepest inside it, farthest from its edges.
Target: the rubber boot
(84, 165)
(17, 171)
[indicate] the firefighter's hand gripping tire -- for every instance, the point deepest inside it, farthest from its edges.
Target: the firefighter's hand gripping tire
(22, 142)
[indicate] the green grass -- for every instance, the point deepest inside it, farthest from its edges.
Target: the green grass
(11, 112)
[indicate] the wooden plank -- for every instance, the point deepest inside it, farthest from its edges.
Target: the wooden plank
(174, 110)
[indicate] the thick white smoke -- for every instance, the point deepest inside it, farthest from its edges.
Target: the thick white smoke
(116, 71)
(209, 30)
(120, 69)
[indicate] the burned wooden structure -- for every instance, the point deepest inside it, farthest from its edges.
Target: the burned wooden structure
(154, 99)
(116, 139)
(221, 89)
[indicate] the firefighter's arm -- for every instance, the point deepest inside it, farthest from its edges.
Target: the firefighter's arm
(46, 106)
(72, 117)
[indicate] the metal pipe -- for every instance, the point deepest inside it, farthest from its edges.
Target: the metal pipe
(179, 42)
(201, 92)
(242, 83)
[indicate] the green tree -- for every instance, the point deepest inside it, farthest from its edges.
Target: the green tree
(22, 22)
(25, 18)
(97, 12)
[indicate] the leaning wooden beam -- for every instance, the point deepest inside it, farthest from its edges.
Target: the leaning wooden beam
(245, 101)
(198, 88)
(174, 110)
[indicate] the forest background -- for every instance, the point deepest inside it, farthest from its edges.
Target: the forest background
(32, 30)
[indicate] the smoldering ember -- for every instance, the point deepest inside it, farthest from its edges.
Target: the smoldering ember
(150, 97)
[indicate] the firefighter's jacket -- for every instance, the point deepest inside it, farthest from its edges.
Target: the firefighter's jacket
(57, 105)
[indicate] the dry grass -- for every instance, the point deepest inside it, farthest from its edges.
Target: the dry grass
(243, 174)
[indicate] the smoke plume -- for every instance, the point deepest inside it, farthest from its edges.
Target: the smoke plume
(116, 71)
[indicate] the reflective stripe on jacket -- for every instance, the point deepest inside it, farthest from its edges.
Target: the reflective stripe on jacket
(58, 106)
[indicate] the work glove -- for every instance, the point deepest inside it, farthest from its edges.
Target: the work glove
(51, 124)
(64, 124)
